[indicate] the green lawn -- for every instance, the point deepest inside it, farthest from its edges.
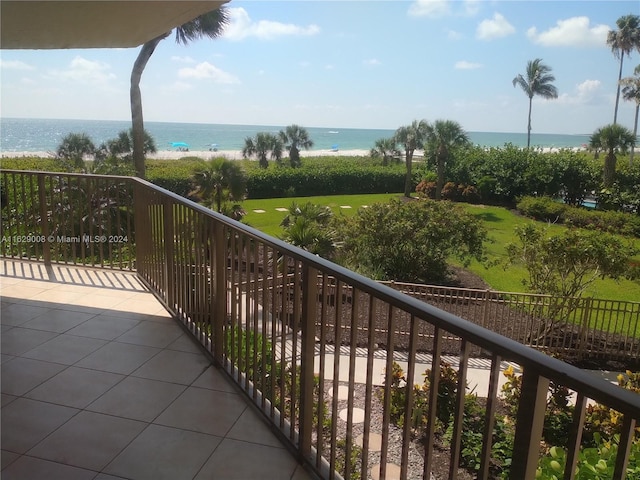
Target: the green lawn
(269, 221)
(500, 223)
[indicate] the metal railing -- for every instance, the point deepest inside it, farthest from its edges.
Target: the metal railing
(568, 328)
(313, 344)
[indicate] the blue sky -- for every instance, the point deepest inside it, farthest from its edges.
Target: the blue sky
(360, 64)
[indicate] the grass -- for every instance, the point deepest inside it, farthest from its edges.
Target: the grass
(269, 221)
(500, 223)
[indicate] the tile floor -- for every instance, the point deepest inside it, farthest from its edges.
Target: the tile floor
(99, 382)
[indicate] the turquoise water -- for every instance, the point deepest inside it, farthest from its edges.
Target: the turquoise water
(37, 135)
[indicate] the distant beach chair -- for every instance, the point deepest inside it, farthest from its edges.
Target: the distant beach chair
(334, 148)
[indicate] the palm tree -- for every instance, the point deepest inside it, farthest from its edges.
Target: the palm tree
(261, 145)
(387, 149)
(536, 81)
(631, 92)
(218, 182)
(623, 41)
(308, 227)
(442, 137)
(210, 25)
(122, 145)
(411, 137)
(613, 139)
(295, 137)
(73, 148)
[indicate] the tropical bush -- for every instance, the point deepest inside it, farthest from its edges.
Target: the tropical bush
(547, 209)
(409, 241)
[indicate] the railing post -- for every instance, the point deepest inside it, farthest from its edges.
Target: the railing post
(584, 327)
(141, 227)
(44, 220)
(308, 323)
(529, 423)
(219, 303)
(169, 260)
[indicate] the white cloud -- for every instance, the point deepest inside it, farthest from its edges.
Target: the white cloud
(15, 65)
(497, 27)
(207, 71)
(586, 92)
(242, 26)
(453, 35)
(85, 71)
(430, 8)
(372, 62)
(464, 65)
(574, 32)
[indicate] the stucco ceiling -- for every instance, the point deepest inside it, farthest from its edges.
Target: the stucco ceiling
(53, 24)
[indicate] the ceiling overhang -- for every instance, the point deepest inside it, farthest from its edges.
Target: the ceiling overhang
(53, 24)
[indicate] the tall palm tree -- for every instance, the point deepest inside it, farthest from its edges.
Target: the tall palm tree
(219, 181)
(536, 81)
(210, 25)
(411, 137)
(295, 137)
(261, 145)
(631, 92)
(387, 149)
(612, 139)
(623, 41)
(442, 137)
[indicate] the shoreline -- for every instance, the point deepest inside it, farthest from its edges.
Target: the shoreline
(237, 154)
(205, 154)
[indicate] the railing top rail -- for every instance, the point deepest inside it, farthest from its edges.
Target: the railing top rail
(572, 377)
(495, 292)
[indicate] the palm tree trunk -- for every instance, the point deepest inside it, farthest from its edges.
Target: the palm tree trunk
(635, 135)
(407, 180)
(609, 169)
(529, 123)
(615, 110)
(137, 121)
(441, 159)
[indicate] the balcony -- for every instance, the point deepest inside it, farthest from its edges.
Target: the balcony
(97, 377)
(308, 344)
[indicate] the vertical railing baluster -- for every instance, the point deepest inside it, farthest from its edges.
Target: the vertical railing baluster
(624, 447)
(169, 264)
(308, 321)
(489, 418)
(529, 423)
(44, 220)
(575, 435)
(219, 304)
(434, 385)
(458, 419)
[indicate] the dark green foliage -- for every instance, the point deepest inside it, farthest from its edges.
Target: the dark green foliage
(316, 177)
(174, 175)
(543, 209)
(548, 210)
(410, 241)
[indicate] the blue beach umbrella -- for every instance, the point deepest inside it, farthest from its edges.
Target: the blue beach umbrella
(179, 145)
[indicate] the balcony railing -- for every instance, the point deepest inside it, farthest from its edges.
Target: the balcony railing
(294, 330)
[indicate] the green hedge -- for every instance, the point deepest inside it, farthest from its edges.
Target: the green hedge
(549, 210)
(327, 180)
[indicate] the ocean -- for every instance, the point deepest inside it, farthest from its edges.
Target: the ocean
(44, 135)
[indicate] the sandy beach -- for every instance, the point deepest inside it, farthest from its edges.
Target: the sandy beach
(237, 154)
(205, 154)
